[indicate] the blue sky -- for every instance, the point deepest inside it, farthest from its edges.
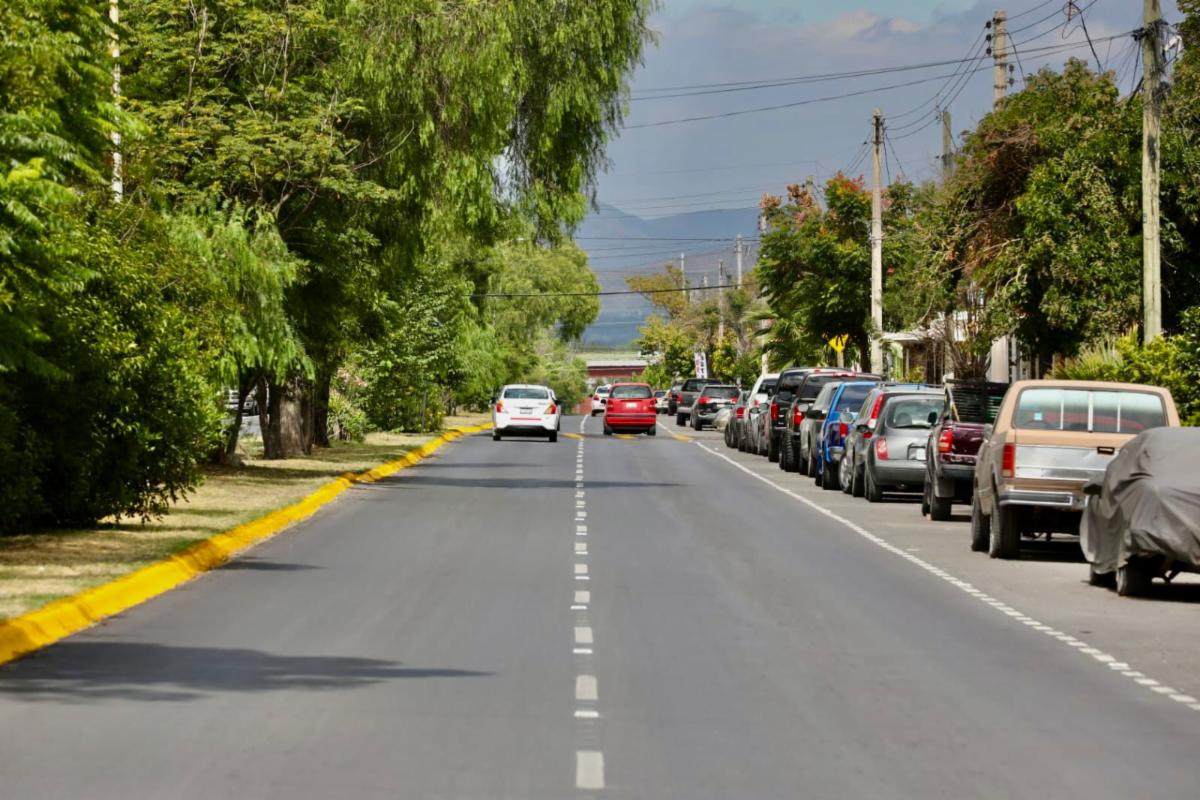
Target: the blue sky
(729, 162)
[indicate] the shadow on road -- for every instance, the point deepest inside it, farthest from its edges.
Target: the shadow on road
(413, 480)
(86, 671)
(259, 565)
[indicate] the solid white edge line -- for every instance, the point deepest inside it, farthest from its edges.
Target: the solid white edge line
(965, 587)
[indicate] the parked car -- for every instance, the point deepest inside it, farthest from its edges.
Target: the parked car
(685, 398)
(845, 402)
(797, 437)
(736, 415)
(673, 393)
(895, 461)
(721, 420)
(525, 410)
(862, 431)
(954, 441)
(660, 401)
(759, 396)
(630, 409)
(1142, 518)
(600, 398)
(786, 385)
(711, 399)
(1048, 440)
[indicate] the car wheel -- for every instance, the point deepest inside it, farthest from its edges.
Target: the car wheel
(871, 489)
(553, 437)
(828, 481)
(844, 475)
(696, 423)
(856, 483)
(1004, 535)
(939, 507)
(741, 443)
(980, 528)
(607, 430)
(495, 436)
(772, 448)
(1107, 580)
(652, 431)
(1134, 578)
(679, 420)
(925, 501)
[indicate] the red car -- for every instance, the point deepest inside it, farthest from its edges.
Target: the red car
(630, 409)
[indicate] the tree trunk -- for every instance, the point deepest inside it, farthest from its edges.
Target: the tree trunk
(320, 405)
(864, 353)
(235, 430)
(285, 438)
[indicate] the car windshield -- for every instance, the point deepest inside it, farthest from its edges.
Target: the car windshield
(631, 393)
(1100, 411)
(603, 389)
(913, 412)
(767, 387)
(660, 393)
(526, 393)
(852, 398)
(724, 392)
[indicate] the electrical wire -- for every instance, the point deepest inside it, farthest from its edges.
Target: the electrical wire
(478, 295)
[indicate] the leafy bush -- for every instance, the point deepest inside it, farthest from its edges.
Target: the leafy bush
(347, 422)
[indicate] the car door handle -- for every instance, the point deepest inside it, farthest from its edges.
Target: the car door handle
(1106, 451)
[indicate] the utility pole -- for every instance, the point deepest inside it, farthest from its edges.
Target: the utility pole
(876, 243)
(739, 260)
(947, 148)
(683, 276)
(721, 300)
(118, 182)
(999, 57)
(1152, 91)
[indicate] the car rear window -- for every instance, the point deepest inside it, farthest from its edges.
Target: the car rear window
(631, 393)
(815, 383)
(729, 392)
(977, 403)
(1089, 411)
(526, 393)
(661, 393)
(852, 398)
(913, 412)
(695, 384)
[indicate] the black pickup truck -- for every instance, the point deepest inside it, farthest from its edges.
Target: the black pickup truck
(954, 443)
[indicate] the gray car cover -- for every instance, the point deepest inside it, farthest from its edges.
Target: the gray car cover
(1149, 503)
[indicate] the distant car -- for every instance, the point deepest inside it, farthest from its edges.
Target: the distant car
(954, 442)
(845, 403)
(599, 398)
(672, 395)
(799, 433)
(1142, 518)
(1049, 439)
(525, 410)
(686, 396)
(757, 400)
(660, 401)
(895, 461)
(736, 415)
(630, 409)
(711, 400)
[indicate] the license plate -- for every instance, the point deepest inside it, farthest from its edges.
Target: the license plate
(526, 410)
(916, 453)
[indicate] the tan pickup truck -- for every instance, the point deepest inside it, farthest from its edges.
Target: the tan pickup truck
(1048, 440)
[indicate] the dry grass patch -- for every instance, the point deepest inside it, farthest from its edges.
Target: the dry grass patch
(38, 568)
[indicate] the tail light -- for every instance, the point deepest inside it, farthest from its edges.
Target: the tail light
(550, 409)
(843, 430)
(797, 417)
(499, 407)
(881, 451)
(774, 411)
(1008, 461)
(875, 411)
(703, 400)
(945, 440)
(741, 411)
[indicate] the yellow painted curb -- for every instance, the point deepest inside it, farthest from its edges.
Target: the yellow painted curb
(60, 619)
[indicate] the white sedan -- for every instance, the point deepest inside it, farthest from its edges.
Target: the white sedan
(523, 409)
(600, 399)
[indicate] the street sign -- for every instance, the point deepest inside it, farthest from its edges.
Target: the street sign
(838, 343)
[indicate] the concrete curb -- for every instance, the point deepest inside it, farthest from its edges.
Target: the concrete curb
(47, 625)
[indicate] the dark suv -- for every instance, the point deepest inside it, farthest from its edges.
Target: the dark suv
(797, 406)
(682, 399)
(786, 385)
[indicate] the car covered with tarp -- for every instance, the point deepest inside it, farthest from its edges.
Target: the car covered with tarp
(1142, 518)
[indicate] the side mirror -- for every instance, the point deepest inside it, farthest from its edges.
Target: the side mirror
(1093, 488)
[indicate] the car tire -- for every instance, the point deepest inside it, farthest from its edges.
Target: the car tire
(925, 500)
(1135, 577)
(871, 489)
(856, 483)
(772, 448)
(1004, 534)
(845, 476)
(1106, 580)
(696, 423)
(940, 508)
(607, 430)
(787, 458)
(495, 436)
(828, 481)
(980, 528)
(741, 443)
(652, 431)
(553, 437)
(803, 464)
(680, 420)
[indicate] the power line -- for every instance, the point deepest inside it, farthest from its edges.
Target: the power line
(729, 239)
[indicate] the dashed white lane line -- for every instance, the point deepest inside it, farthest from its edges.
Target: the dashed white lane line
(581, 569)
(581, 549)
(587, 713)
(586, 688)
(583, 635)
(583, 596)
(589, 769)
(1083, 647)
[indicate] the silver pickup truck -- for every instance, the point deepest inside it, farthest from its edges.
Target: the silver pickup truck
(685, 397)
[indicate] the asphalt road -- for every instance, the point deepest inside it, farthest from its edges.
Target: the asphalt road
(656, 622)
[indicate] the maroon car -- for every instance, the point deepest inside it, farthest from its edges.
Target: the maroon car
(954, 443)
